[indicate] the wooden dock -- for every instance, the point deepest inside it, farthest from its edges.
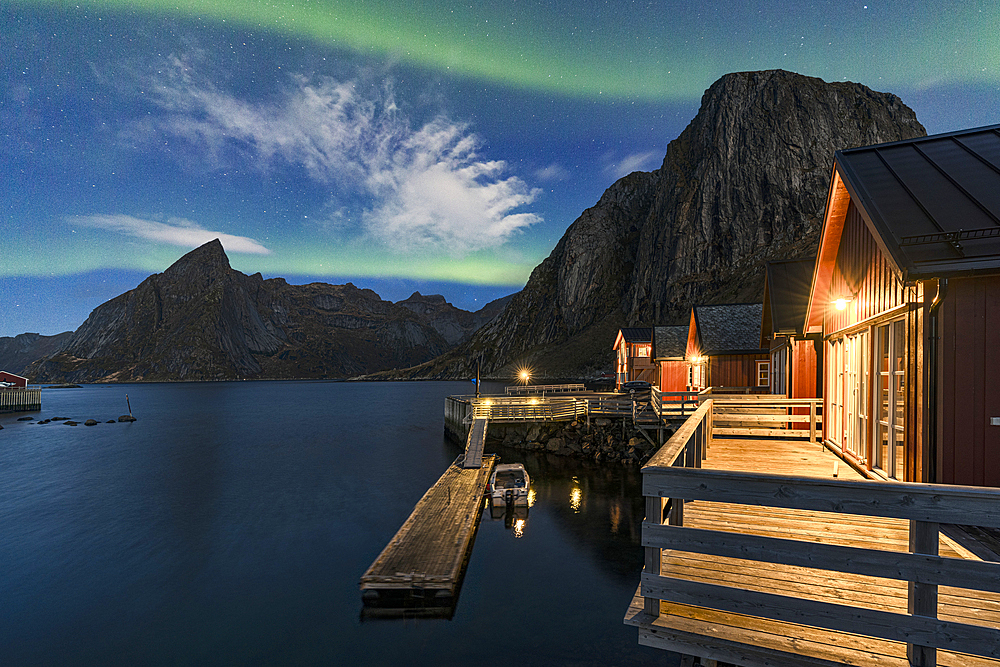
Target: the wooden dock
(20, 399)
(419, 573)
(787, 556)
(474, 444)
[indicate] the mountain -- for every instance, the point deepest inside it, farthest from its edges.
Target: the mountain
(202, 320)
(744, 183)
(18, 352)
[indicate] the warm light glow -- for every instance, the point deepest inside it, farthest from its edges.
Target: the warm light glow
(840, 304)
(695, 360)
(575, 499)
(531, 497)
(524, 375)
(533, 401)
(519, 528)
(487, 402)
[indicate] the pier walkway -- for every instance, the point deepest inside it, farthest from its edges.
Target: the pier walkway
(20, 399)
(419, 573)
(782, 554)
(474, 444)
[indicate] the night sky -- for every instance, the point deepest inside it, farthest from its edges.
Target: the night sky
(434, 146)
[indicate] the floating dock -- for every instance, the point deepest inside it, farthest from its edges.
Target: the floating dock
(419, 573)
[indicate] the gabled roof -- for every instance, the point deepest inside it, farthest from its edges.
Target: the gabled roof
(670, 341)
(634, 335)
(786, 297)
(728, 329)
(932, 204)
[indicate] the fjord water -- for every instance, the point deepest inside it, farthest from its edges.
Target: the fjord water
(230, 524)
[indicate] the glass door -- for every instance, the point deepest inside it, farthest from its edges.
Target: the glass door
(890, 399)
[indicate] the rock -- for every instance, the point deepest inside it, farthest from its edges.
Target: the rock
(45, 421)
(59, 419)
(90, 422)
(71, 423)
(24, 419)
(601, 422)
(555, 444)
(126, 418)
(110, 421)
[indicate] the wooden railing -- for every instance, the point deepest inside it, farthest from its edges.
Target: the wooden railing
(522, 389)
(769, 416)
(20, 399)
(673, 474)
(674, 403)
(511, 409)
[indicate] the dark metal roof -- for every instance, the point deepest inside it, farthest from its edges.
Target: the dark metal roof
(787, 289)
(729, 328)
(638, 334)
(670, 341)
(934, 201)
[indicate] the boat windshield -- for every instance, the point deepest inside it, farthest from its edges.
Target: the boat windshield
(509, 480)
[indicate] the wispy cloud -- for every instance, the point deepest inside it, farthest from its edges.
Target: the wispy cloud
(553, 172)
(176, 231)
(424, 187)
(646, 161)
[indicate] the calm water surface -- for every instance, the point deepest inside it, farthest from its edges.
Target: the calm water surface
(230, 524)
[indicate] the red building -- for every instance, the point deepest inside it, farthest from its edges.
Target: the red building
(796, 360)
(724, 350)
(634, 355)
(906, 294)
(669, 355)
(15, 380)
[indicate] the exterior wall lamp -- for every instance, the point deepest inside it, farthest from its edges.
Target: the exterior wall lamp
(840, 303)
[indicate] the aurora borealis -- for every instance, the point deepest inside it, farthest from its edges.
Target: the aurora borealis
(437, 146)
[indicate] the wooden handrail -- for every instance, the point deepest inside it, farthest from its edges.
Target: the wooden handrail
(671, 474)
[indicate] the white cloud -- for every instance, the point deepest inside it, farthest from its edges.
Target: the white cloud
(425, 188)
(553, 172)
(647, 161)
(176, 231)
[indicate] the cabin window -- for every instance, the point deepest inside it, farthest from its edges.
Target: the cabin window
(643, 350)
(763, 373)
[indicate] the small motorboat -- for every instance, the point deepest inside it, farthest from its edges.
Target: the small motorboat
(508, 485)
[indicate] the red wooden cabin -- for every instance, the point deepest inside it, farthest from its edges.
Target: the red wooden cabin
(669, 355)
(15, 380)
(796, 367)
(634, 355)
(724, 351)
(910, 246)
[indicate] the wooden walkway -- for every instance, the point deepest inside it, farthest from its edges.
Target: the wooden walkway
(745, 639)
(419, 573)
(474, 444)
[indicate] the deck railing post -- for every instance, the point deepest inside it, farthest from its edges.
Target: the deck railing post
(812, 421)
(654, 514)
(922, 599)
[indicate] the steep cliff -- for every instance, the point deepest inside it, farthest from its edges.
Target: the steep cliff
(202, 320)
(18, 352)
(744, 183)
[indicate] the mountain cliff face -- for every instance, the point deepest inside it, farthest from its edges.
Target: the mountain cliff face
(18, 352)
(744, 183)
(202, 320)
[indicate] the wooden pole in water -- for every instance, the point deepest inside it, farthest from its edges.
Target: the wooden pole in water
(129, 405)
(479, 368)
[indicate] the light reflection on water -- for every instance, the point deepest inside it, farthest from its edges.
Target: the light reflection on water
(231, 523)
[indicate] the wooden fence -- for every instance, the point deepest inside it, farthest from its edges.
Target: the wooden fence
(20, 399)
(510, 409)
(673, 473)
(767, 416)
(522, 389)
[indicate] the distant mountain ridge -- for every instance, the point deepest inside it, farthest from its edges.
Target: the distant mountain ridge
(745, 182)
(202, 320)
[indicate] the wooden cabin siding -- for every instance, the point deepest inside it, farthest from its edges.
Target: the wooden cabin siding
(735, 370)
(673, 375)
(864, 272)
(968, 446)
(806, 369)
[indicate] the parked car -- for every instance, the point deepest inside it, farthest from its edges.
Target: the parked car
(637, 386)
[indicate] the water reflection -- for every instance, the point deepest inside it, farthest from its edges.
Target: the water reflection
(515, 517)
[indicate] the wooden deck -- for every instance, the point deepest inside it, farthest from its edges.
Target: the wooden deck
(419, 573)
(735, 634)
(474, 444)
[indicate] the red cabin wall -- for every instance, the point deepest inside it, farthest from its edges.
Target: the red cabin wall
(16, 379)
(969, 354)
(735, 370)
(673, 375)
(806, 372)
